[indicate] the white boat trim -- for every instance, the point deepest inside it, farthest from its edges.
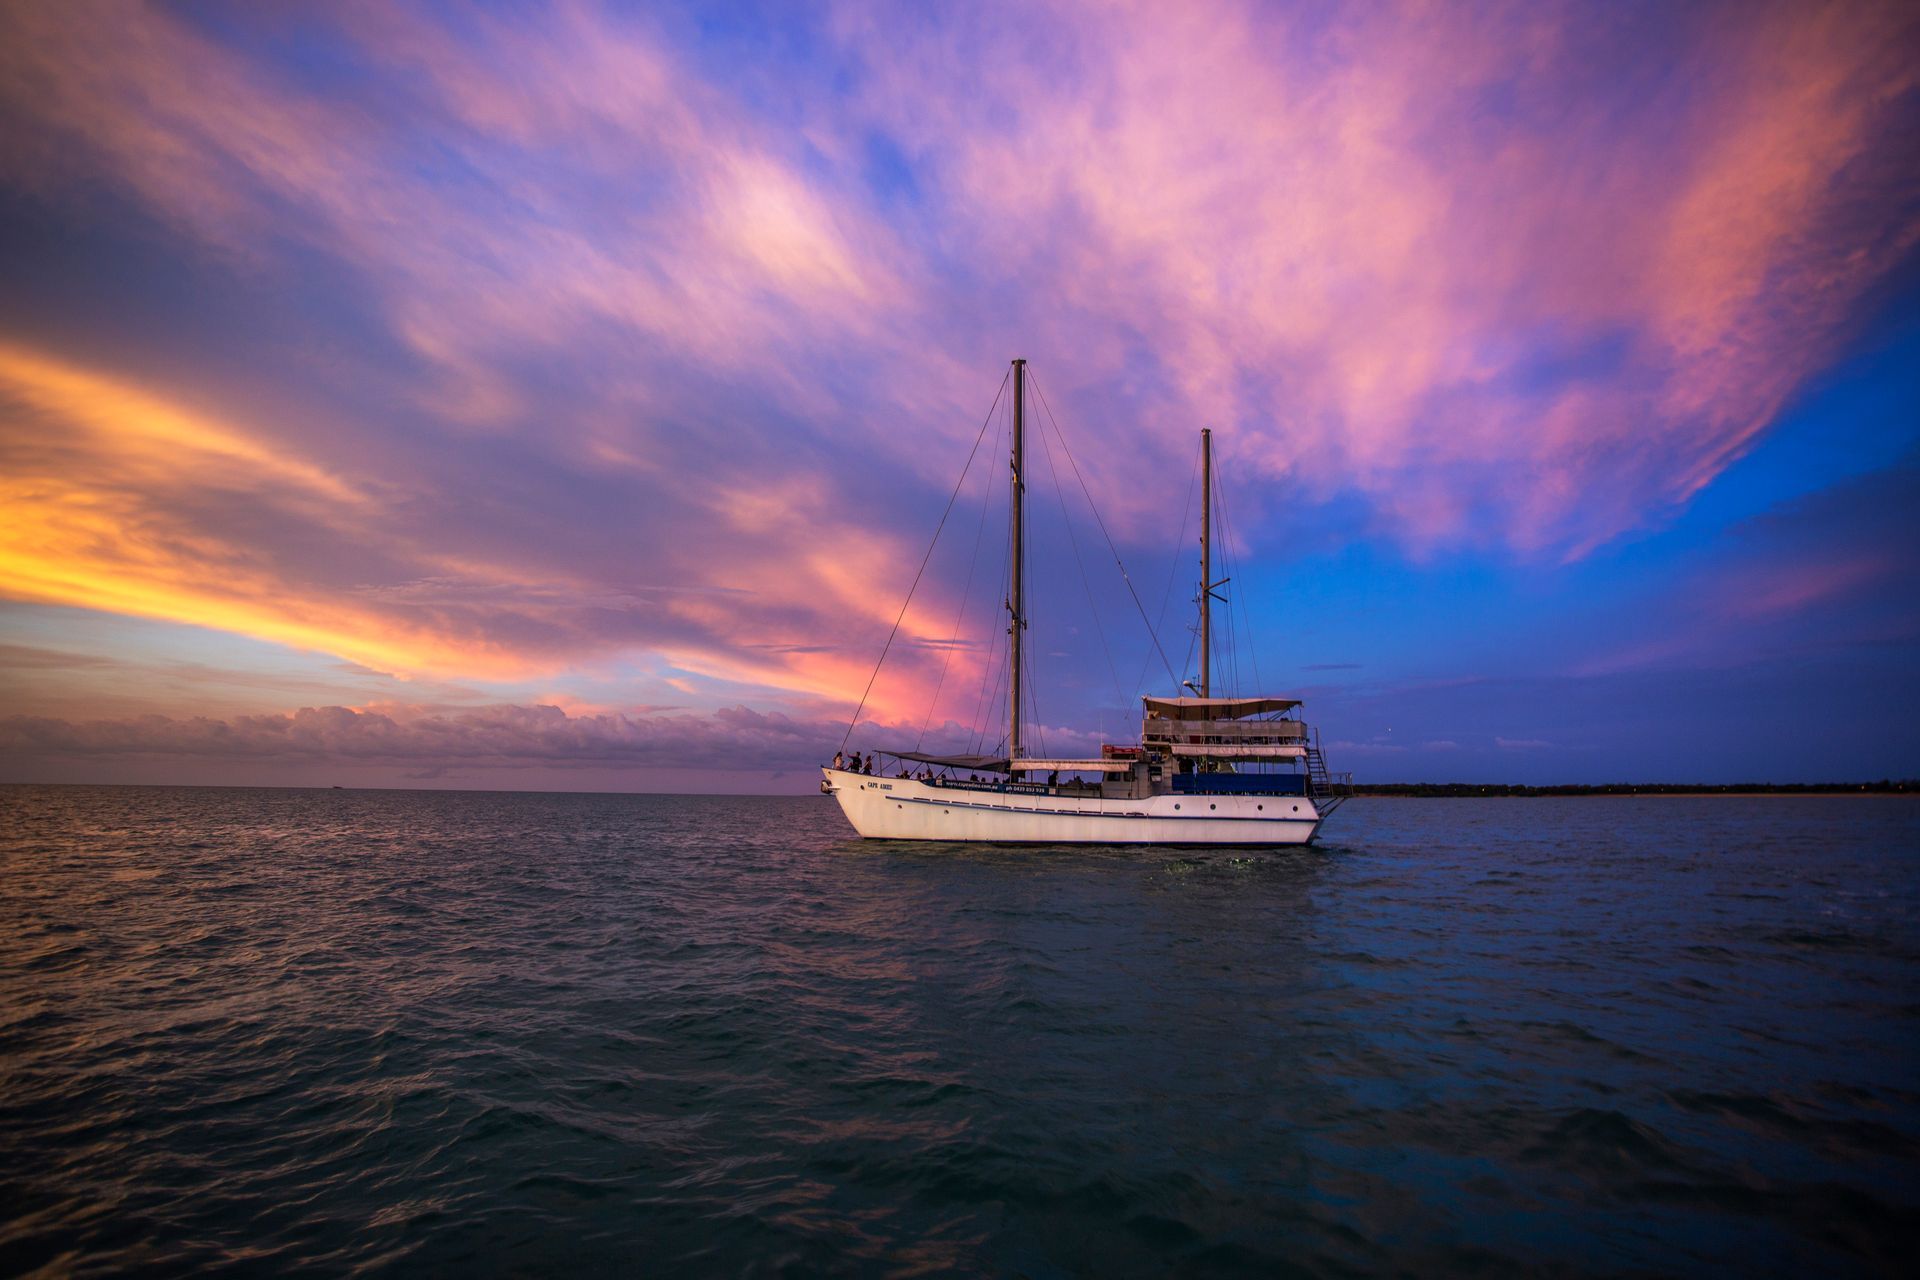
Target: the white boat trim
(916, 809)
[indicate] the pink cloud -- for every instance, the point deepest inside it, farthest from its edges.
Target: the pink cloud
(1503, 276)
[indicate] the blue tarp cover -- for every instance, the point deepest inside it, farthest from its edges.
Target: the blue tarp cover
(1271, 784)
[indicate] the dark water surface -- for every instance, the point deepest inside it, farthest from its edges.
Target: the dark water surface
(458, 1033)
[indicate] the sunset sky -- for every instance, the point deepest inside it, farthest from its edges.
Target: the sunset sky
(563, 396)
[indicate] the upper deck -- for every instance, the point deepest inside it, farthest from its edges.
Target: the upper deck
(1248, 729)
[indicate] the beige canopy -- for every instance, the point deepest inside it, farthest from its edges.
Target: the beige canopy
(1076, 766)
(1215, 708)
(1239, 751)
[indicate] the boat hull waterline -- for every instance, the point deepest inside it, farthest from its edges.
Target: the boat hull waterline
(883, 808)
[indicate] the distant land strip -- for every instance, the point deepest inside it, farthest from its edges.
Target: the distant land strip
(1909, 786)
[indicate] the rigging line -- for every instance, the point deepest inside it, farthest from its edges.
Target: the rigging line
(992, 669)
(1103, 530)
(1228, 564)
(989, 674)
(978, 437)
(1246, 615)
(1243, 611)
(986, 496)
(1237, 635)
(1230, 649)
(992, 699)
(1033, 704)
(1059, 492)
(1193, 640)
(1173, 570)
(1193, 635)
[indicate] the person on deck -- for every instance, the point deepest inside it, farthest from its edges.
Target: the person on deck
(839, 759)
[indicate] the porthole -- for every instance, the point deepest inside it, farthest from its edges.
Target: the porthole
(1261, 808)
(1213, 806)
(1296, 808)
(1176, 806)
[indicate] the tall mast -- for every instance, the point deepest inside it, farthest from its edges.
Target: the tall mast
(1206, 560)
(1016, 600)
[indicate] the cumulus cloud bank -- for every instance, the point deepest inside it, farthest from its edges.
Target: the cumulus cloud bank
(734, 737)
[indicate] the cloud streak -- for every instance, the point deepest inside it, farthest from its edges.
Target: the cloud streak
(1506, 273)
(628, 346)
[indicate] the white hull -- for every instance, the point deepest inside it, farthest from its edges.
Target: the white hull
(907, 809)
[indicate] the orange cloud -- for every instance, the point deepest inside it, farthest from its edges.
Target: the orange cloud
(1507, 281)
(93, 468)
(103, 483)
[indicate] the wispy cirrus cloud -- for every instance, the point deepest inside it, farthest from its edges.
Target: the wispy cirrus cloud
(616, 212)
(122, 500)
(609, 359)
(1506, 270)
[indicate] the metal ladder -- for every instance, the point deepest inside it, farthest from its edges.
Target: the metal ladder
(1326, 789)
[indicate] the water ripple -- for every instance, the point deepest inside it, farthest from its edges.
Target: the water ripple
(365, 1032)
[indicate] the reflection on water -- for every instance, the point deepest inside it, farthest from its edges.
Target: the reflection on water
(388, 1030)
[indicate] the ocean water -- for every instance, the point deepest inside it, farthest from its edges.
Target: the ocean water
(329, 1032)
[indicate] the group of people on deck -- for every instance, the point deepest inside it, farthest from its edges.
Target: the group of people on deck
(859, 764)
(856, 763)
(853, 765)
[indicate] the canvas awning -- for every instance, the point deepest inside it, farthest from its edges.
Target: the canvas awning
(1238, 751)
(994, 764)
(1077, 766)
(1215, 708)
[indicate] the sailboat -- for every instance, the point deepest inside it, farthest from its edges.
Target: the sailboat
(1206, 770)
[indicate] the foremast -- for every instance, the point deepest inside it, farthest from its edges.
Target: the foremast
(1016, 595)
(1206, 562)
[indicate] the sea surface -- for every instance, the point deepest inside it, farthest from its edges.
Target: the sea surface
(436, 1033)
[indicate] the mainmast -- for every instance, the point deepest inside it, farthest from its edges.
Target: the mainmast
(1016, 601)
(1206, 560)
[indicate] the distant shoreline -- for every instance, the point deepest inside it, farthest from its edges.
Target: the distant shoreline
(1477, 791)
(1381, 790)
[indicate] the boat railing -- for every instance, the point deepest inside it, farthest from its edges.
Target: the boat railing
(1281, 731)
